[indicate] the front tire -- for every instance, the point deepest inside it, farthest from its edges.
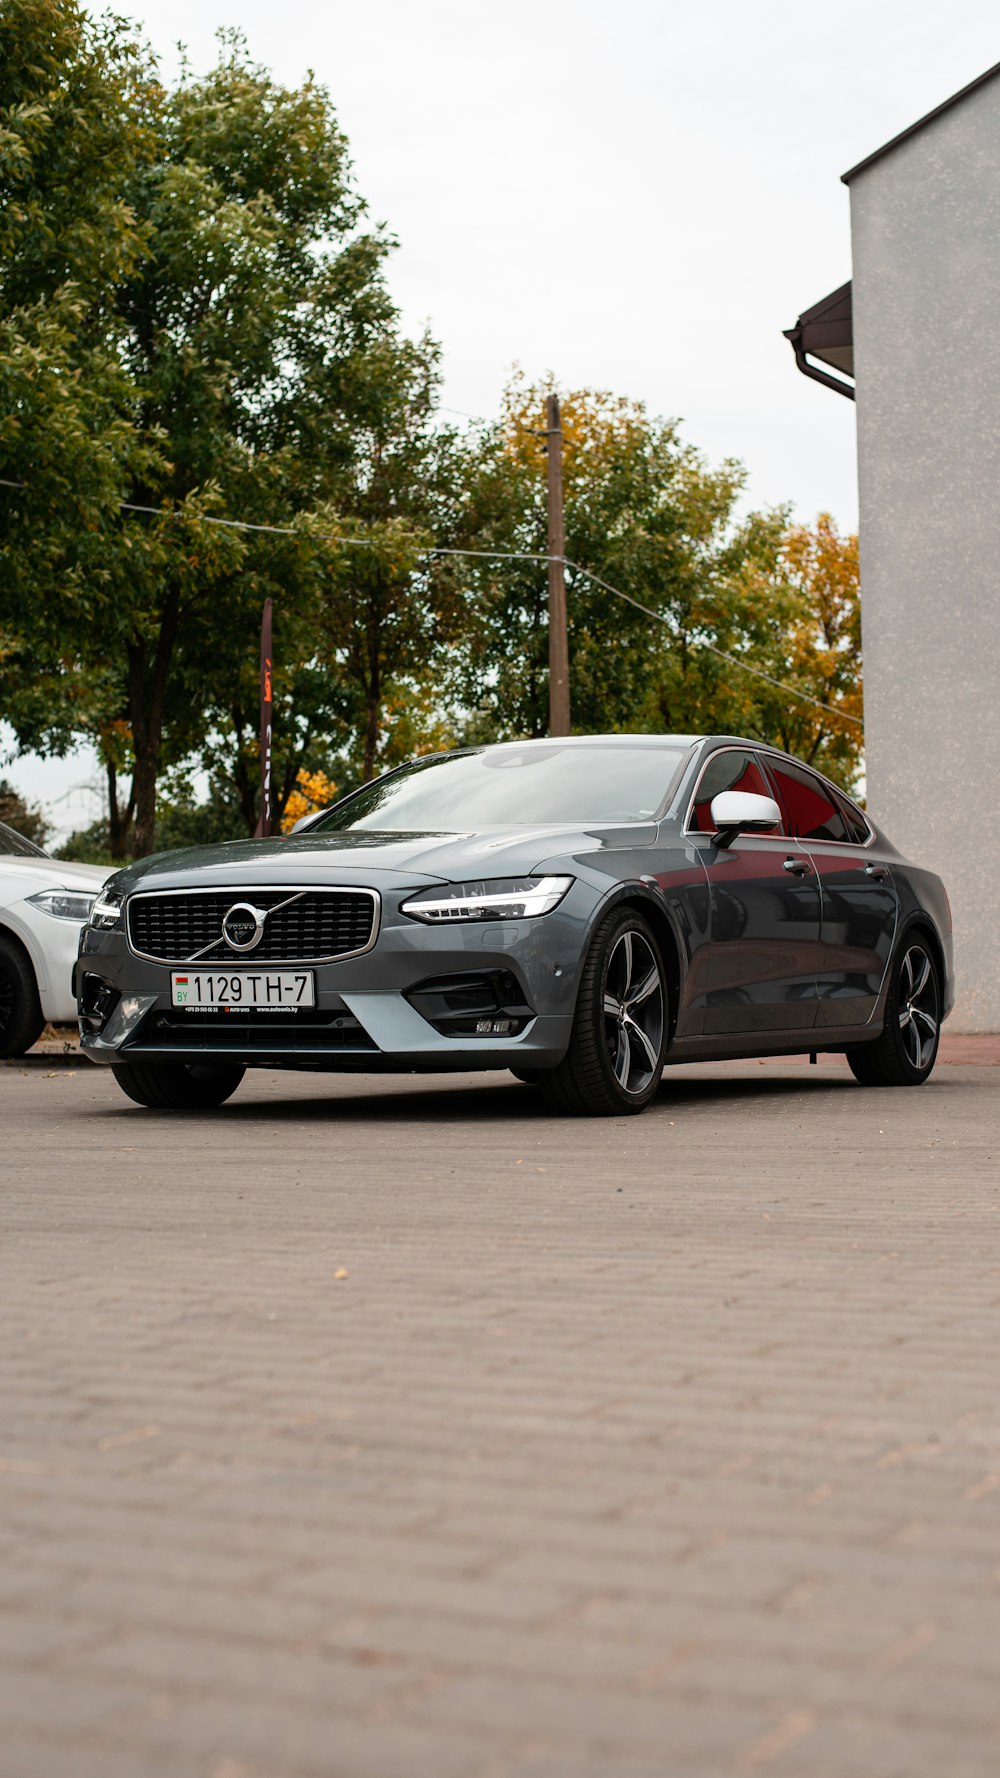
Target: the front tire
(905, 1052)
(21, 1018)
(620, 1029)
(178, 1086)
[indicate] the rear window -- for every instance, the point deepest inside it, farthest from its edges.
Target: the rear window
(813, 810)
(858, 830)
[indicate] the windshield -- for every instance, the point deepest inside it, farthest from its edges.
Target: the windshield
(15, 844)
(513, 786)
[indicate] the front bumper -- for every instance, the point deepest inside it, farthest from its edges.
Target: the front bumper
(363, 1019)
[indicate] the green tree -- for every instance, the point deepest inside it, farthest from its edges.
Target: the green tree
(358, 647)
(642, 511)
(24, 817)
(388, 610)
(646, 514)
(75, 99)
(245, 327)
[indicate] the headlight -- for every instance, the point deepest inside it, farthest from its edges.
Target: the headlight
(505, 898)
(107, 909)
(64, 904)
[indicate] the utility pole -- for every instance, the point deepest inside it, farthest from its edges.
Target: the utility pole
(558, 644)
(266, 726)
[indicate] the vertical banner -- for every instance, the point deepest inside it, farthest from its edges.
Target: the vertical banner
(559, 723)
(266, 733)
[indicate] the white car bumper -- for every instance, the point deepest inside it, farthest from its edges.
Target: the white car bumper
(52, 946)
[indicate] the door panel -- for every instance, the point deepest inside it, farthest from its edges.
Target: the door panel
(765, 937)
(857, 926)
(859, 903)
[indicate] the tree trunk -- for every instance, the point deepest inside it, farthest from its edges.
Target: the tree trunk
(119, 819)
(373, 699)
(371, 734)
(116, 816)
(290, 778)
(147, 690)
(246, 781)
(147, 763)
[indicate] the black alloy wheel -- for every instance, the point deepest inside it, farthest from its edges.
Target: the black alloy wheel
(178, 1086)
(620, 1030)
(21, 1018)
(905, 1052)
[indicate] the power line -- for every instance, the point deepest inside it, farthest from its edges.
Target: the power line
(497, 555)
(734, 659)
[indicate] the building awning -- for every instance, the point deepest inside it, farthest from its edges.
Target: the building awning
(826, 332)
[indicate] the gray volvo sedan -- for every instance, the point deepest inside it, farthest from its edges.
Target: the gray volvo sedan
(581, 912)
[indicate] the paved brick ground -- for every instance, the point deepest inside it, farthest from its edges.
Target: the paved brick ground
(391, 1430)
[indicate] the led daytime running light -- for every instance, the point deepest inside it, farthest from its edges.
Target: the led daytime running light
(107, 909)
(505, 898)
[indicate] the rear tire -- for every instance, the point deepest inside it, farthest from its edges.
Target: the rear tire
(178, 1086)
(620, 1028)
(21, 1018)
(905, 1052)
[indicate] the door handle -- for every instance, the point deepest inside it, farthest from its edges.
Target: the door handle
(797, 866)
(877, 872)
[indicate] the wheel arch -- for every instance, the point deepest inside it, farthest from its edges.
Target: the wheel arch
(920, 923)
(15, 937)
(650, 905)
(917, 923)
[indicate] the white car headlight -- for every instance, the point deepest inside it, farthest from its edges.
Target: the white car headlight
(107, 909)
(503, 898)
(64, 904)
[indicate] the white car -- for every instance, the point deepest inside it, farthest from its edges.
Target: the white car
(43, 904)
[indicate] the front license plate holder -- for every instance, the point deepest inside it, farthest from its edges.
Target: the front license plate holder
(244, 990)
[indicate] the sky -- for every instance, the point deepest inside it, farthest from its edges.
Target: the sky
(637, 196)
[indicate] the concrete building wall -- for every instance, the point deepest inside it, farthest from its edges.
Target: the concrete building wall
(925, 222)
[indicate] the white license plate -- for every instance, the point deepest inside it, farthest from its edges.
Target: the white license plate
(272, 990)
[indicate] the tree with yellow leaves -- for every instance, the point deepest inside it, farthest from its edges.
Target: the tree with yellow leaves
(313, 790)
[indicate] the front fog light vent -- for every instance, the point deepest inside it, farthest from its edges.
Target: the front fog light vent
(488, 1004)
(98, 1000)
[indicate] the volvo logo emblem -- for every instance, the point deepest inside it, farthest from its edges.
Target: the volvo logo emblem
(243, 926)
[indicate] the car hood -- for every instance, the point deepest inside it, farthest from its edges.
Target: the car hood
(52, 873)
(356, 856)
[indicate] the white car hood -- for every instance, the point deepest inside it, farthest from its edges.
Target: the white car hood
(26, 876)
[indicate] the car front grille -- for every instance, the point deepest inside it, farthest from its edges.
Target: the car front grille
(306, 926)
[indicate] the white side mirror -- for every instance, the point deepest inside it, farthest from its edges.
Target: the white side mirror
(741, 811)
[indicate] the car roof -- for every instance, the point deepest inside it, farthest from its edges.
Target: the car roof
(640, 740)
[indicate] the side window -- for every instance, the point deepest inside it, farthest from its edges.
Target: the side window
(730, 769)
(812, 811)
